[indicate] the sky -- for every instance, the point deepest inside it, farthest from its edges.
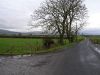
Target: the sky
(15, 14)
(93, 7)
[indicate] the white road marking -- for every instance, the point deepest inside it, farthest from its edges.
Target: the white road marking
(96, 49)
(19, 56)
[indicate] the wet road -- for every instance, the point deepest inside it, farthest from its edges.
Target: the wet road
(82, 59)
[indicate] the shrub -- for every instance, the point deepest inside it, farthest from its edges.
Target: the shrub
(48, 42)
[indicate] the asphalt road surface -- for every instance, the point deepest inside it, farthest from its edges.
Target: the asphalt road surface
(82, 59)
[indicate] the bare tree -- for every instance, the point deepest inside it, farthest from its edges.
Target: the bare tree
(59, 16)
(78, 13)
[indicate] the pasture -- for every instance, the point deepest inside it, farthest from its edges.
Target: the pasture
(95, 39)
(16, 46)
(20, 46)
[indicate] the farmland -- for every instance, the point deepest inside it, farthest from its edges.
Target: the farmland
(95, 39)
(14, 46)
(19, 45)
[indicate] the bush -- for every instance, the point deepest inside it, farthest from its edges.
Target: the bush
(48, 42)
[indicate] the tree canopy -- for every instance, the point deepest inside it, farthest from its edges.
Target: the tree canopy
(61, 16)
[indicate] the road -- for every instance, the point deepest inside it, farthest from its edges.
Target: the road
(82, 59)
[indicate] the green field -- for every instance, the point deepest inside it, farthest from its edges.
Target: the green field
(95, 39)
(15, 46)
(19, 46)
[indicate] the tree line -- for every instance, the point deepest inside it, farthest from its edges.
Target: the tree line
(63, 17)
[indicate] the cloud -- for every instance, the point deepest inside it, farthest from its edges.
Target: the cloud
(15, 14)
(94, 21)
(91, 31)
(93, 13)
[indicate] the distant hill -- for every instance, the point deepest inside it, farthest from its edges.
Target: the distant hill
(33, 33)
(91, 31)
(7, 32)
(86, 32)
(23, 33)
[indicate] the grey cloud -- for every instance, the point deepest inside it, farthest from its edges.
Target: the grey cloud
(15, 14)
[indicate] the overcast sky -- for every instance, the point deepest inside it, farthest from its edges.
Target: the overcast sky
(15, 14)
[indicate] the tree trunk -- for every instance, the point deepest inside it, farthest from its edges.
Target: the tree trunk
(61, 40)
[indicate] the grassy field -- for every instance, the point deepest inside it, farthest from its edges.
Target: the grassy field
(95, 39)
(16, 46)
(19, 46)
